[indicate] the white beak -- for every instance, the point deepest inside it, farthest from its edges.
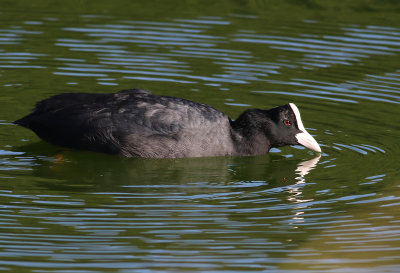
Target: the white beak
(308, 141)
(304, 138)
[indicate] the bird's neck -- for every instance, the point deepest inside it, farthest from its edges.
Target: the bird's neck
(247, 137)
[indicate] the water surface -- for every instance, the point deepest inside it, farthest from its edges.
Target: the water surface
(290, 211)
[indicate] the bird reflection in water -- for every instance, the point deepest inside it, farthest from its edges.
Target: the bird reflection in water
(296, 193)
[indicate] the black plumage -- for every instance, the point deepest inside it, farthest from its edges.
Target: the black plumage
(136, 123)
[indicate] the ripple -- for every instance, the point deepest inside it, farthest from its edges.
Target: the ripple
(306, 96)
(204, 21)
(11, 60)
(13, 35)
(327, 50)
(355, 91)
(167, 36)
(359, 148)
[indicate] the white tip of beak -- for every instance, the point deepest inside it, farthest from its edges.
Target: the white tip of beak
(304, 138)
(308, 141)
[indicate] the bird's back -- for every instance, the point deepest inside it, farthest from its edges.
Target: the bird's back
(132, 123)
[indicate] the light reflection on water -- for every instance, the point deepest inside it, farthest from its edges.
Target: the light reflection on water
(288, 211)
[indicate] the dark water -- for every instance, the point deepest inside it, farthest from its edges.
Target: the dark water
(289, 211)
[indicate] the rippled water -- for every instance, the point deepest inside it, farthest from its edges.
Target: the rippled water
(289, 211)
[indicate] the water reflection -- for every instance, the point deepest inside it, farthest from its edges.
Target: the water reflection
(113, 171)
(296, 194)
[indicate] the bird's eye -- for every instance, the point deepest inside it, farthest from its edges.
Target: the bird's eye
(286, 122)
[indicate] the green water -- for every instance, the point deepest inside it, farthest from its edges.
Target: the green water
(289, 211)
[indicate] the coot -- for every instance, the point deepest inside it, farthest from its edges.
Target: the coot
(136, 123)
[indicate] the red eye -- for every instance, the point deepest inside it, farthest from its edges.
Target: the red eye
(286, 122)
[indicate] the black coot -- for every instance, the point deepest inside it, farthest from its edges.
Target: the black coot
(136, 123)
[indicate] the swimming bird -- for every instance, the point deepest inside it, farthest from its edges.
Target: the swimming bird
(136, 123)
